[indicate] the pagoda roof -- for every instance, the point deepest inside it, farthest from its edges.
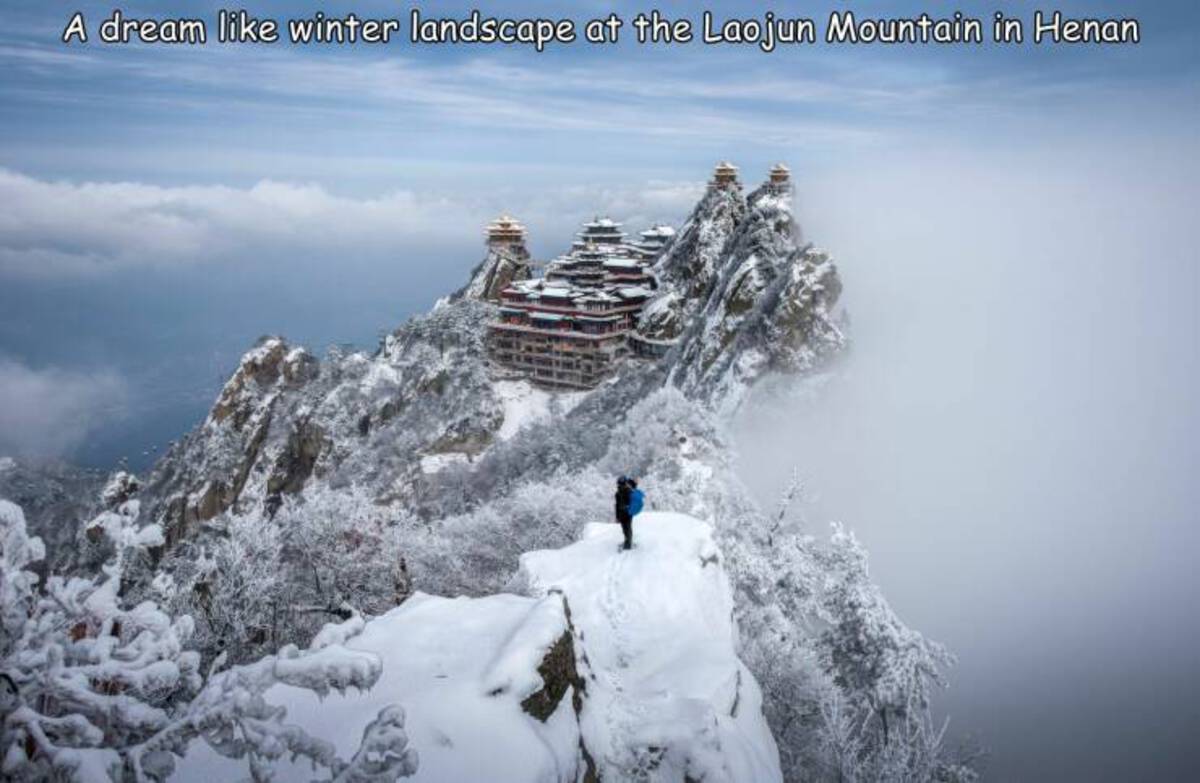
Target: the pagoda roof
(602, 222)
(632, 292)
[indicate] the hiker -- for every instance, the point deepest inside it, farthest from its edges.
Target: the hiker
(629, 501)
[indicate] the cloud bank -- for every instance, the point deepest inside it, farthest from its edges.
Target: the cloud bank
(49, 412)
(64, 229)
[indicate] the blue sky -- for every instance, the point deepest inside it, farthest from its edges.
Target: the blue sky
(367, 119)
(1014, 226)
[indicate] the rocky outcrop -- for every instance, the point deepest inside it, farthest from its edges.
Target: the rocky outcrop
(284, 418)
(501, 267)
(768, 308)
(688, 269)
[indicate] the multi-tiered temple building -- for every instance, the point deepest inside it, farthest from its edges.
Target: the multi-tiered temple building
(570, 327)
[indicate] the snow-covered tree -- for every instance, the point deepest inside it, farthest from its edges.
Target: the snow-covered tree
(233, 716)
(876, 721)
(91, 673)
(869, 652)
(345, 553)
(259, 581)
(94, 686)
(236, 588)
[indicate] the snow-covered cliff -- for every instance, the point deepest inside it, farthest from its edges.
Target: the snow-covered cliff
(667, 698)
(769, 306)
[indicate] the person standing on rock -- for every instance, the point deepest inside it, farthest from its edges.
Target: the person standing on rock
(624, 493)
(628, 501)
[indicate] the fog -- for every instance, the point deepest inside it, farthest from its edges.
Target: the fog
(1014, 437)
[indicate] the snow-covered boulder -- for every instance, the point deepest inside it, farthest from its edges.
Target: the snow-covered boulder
(667, 698)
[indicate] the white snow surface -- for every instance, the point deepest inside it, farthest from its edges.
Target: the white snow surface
(669, 698)
(525, 404)
(460, 668)
(434, 463)
(666, 696)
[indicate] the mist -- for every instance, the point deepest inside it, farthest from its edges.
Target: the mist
(1014, 435)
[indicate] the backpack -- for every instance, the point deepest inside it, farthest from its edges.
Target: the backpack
(636, 499)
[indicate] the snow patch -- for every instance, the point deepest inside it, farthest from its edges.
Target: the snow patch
(514, 669)
(380, 377)
(525, 404)
(435, 463)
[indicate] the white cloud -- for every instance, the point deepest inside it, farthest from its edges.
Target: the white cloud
(64, 229)
(49, 412)
(52, 229)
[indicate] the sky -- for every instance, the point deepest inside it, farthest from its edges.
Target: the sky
(1014, 433)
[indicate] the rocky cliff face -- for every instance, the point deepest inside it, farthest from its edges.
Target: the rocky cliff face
(769, 307)
(285, 419)
(501, 267)
(687, 269)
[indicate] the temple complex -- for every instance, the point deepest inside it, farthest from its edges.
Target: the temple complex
(570, 327)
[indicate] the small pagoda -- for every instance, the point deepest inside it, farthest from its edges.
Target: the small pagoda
(780, 178)
(505, 231)
(725, 176)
